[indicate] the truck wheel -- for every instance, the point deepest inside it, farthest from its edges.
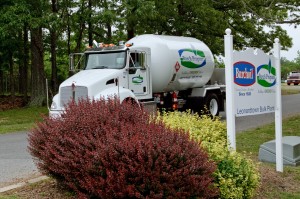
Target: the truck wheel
(212, 104)
(288, 84)
(130, 100)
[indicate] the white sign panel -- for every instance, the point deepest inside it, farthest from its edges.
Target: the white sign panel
(254, 77)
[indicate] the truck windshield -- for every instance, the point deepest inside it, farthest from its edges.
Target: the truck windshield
(108, 60)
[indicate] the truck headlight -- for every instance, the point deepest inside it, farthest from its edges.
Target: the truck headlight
(53, 106)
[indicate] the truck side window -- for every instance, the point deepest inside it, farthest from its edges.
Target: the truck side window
(134, 60)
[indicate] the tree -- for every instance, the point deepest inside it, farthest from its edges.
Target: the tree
(23, 66)
(60, 27)
(289, 66)
(38, 91)
(53, 46)
(9, 34)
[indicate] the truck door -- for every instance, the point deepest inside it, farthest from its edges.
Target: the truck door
(138, 80)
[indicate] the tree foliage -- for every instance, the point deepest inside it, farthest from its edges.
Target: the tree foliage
(65, 26)
(287, 66)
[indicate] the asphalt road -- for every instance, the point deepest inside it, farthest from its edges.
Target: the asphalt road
(290, 107)
(17, 165)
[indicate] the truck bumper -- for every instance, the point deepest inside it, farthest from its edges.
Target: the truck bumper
(55, 113)
(295, 82)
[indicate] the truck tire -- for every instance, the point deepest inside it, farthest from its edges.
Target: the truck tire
(212, 104)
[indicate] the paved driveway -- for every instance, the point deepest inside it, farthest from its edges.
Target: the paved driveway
(290, 107)
(15, 162)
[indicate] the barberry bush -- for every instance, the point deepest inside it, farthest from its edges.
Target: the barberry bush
(236, 175)
(104, 149)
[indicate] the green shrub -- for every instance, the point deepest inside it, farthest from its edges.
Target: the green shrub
(236, 176)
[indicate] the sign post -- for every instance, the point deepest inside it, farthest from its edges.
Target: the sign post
(230, 116)
(278, 109)
(253, 86)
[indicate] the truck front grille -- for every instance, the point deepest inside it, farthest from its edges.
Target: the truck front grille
(66, 94)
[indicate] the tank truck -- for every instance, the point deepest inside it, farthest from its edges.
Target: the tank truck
(155, 71)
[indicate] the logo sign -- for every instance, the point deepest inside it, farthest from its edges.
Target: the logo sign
(192, 58)
(244, 73)
(137, 80)
(254, 82)
(266, 75)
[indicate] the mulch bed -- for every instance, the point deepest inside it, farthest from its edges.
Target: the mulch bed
(9, 102)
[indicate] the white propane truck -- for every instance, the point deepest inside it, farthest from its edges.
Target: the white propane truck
(157, 71)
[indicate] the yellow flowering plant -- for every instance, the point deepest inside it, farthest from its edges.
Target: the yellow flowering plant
(236, 176)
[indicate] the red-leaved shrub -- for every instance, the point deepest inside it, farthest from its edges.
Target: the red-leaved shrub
(104, 149)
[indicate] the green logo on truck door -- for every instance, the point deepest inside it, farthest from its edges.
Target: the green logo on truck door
(192, 58)
(137, 80)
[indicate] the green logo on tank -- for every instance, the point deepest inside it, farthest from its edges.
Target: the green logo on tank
(192, 58)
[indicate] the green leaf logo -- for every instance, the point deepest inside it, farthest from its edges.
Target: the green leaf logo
(137, 80)
(266, 75)
(192, 58)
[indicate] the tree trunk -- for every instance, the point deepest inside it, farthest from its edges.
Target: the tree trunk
(11, 78)
(1, 82)
(25, 62)
(20, 62)
(108, 25)
(81, 29)
(181, 13)
(79, 38)
(130, 33)
(54, 84)
(23, 66)
(90, 25)
(38, 91)
(53, 46)
(68, 32)
(131, 22)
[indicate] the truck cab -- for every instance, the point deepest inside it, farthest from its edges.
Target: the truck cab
(105, 71)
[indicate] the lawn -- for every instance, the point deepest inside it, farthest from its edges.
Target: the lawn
(21, 119)
(274, 184)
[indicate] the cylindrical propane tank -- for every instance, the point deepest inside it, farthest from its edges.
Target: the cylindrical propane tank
(176, 63)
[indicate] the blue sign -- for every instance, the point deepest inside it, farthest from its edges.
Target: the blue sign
(244, 73)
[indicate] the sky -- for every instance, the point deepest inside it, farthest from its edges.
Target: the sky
(291, 54)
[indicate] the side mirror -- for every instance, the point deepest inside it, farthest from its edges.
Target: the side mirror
(73, 58)
(71, 63)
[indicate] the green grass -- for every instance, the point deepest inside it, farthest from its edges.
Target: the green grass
(9, 197)
(22, 119)
(289, 92)
(250, 141)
